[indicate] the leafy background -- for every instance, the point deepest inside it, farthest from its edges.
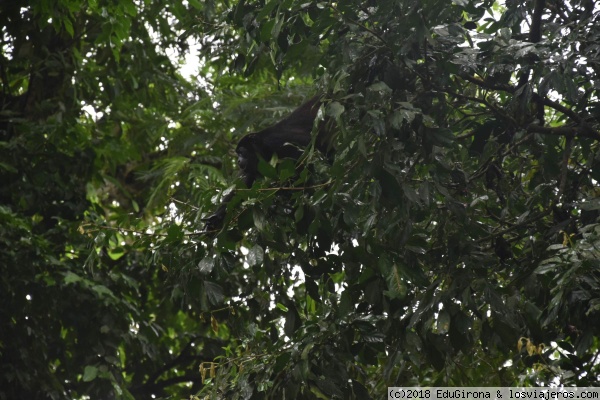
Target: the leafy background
(452, 240)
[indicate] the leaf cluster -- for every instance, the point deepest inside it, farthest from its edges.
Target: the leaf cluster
(454, 230)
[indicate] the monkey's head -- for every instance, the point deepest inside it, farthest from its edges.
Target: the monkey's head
(249, 148)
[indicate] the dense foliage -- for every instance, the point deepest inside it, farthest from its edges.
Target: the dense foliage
(453, 239)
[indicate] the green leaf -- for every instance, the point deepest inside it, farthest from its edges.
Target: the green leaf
(174, 234)
(102, 291)
(440, 136)
(287, 170)
(206, 265)
(116, 253)
(90, 373)
(345, 305)
(411, 194)
(68, 26)
(214, 292)
(292, 323)
(267, 170)
(276, 28)
(196, 4)
(335, 109)
(267, 9)
(129, 7)
(380, 87)
(443, 322)
(71, 277)
(589, 205)
(255, 255)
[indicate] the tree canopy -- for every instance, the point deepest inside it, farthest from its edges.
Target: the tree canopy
(452, 239)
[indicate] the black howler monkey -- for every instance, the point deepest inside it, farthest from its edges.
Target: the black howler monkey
(286, 139)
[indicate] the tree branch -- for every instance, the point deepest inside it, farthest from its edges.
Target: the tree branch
(582, 128)
(565, 166)
(535, 35)
(568, 131)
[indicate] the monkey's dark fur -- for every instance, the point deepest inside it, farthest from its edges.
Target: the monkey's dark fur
(286, 139)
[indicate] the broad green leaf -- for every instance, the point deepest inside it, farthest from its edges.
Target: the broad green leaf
(90, 373)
